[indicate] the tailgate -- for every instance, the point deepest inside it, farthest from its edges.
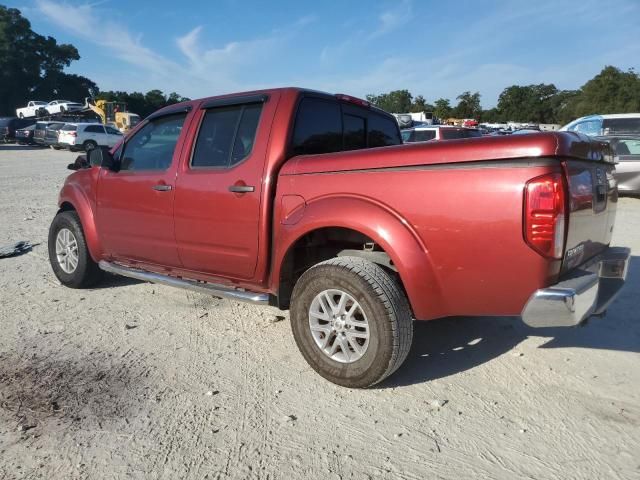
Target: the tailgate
(593, 197)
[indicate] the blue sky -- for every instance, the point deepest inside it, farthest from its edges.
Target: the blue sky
(433, 48)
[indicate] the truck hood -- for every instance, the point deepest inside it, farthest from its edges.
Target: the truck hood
(536, 145)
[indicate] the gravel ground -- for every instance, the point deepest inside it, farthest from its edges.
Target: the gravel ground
(133, 380)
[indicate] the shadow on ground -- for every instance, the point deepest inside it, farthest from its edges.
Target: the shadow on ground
(110, 281)
(11, 147)
(450, 346)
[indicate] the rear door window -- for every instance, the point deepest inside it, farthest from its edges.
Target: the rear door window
(94, 129)
(226, 136)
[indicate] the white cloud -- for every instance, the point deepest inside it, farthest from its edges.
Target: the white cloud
(86, 23)
(392, 19)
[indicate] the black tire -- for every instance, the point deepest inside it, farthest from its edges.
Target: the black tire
(89, 145)
(62, 109)
(21, 115)
(87, 272)
(383, 302)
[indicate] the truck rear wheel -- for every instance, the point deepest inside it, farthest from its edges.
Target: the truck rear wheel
(68, 252)
(351, 321)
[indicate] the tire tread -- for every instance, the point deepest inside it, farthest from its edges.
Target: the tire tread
(392, 296)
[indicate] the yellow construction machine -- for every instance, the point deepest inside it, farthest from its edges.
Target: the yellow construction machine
(114, 114)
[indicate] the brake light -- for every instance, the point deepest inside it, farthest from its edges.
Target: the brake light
(350, 99)
(544, 215)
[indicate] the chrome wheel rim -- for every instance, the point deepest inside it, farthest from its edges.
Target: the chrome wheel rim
(339, 326)
(67, 250)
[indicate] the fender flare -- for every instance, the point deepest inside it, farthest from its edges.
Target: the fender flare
(73, 196)
(385, 227)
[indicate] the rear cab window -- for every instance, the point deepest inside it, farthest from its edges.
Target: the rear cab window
(327, 125)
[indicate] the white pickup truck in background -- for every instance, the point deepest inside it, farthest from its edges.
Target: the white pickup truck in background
(31, 110)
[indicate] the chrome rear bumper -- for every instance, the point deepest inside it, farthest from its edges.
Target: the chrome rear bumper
(588, 291)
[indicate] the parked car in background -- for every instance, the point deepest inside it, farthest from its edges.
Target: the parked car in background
(87, 136)
(524, 131)
(613, 124)
(32, 109)
(626, 150)
(309, 201)
(24, 136)
(38, 134)
(438, 132)
(63, 106)
(51, 135)
(9, 125)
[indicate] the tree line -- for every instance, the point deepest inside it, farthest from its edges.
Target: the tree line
(32, 68)
(610, 91)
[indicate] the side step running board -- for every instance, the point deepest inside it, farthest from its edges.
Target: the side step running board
(200, 287)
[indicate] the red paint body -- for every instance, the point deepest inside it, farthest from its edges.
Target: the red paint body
(449, 214)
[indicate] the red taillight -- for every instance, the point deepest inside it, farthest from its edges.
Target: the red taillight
(544, 215)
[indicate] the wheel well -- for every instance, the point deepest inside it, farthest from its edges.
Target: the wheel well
(65, 207)
(323, 244)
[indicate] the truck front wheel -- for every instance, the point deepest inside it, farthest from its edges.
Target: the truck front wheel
(351, 321)
(68, 252)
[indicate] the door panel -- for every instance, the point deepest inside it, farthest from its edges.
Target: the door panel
(135, 204)
(217, 229)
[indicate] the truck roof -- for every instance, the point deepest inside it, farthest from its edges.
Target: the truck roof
(283, 91)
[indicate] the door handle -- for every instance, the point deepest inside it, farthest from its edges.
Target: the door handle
(162, 188)
(241, 188)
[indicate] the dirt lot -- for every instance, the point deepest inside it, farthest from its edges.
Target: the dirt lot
(133, 380)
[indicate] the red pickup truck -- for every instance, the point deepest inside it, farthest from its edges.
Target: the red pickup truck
(309, 202)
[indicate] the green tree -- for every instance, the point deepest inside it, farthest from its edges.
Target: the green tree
(33, 64)
(396, 101)
(442, 108)
(611, 91)
(468, 105)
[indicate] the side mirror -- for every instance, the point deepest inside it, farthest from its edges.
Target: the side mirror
(101, 157)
